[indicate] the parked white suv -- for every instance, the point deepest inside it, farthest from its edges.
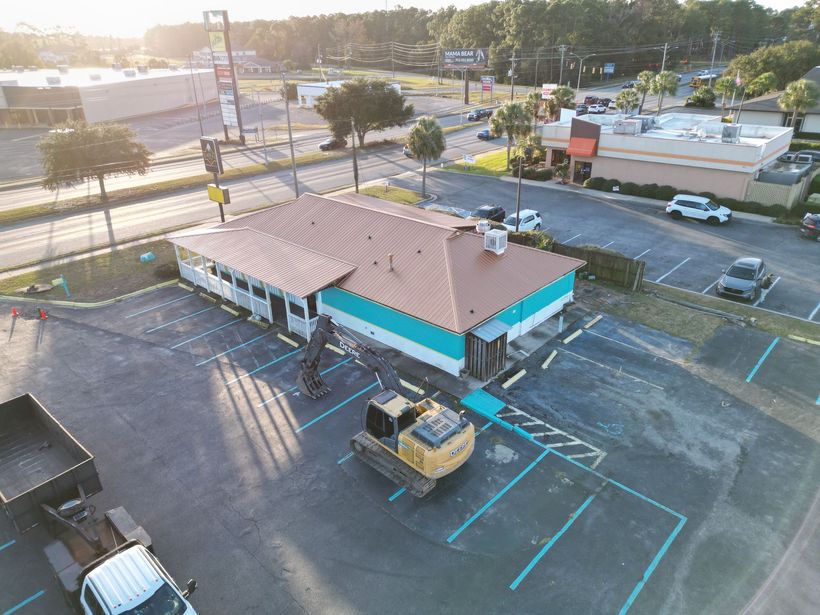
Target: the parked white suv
(530, 221)
(699, 208)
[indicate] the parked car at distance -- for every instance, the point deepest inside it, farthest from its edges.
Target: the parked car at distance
(628, 85)
(699, 208)
(332, 143)
(581, 109)
(485, 135)
(479, 114)
(597, 109)
(494, 213)
(612, 105)
(743, 279)
(810, 227)
(406, 151)
(530, 220)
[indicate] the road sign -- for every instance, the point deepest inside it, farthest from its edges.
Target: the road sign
(487, 82)
(466, 58)
(546, 89)
(609, 69)
(210, 154)
(219, 195)
(469, 159)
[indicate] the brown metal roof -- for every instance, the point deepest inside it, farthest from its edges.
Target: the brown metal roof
(439, 274)
(293, 268)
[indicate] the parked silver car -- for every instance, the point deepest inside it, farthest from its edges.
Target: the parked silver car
(743, 279)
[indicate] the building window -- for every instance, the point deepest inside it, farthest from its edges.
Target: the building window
(311, 301)
(258, 292)
(558, 157)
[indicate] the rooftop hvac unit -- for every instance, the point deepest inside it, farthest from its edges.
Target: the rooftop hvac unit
(129, 72)
(483, 226)
(53, 80)
(143, 70)
(730, 134)
(626, 127)
(495, 241)
(647, 123)
(62, 68)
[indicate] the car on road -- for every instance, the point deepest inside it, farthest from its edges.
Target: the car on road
(698, 208)
(530, 220)
(628, 85)
(407, 151)
(612, 105)
(744, 279)
(810, 226)
(581, 109)
(494, 213)
(485, 135)
(332, 143)
(597, 109)
(479, 114)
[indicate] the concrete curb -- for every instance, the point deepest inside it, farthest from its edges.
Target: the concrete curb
(83, 305)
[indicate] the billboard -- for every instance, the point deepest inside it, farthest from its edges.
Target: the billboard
(487, 82)
(216, 21)
(466, 58)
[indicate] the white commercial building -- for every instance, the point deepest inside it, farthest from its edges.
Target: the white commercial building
(307, 93)
(45, 97)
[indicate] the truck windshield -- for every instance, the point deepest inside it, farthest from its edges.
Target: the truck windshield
(164, 601)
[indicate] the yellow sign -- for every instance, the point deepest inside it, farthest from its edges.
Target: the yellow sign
(217, 41)
(219, 195)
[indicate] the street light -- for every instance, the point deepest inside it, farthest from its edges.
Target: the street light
(581, 66)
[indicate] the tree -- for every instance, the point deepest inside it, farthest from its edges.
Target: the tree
(664, 83)
(426, 141)
(798, 97)
(371, 103)
(532, 105)
(564, 96)
(76, 151)
(643, 86)
(702, 97)
(727, 86)
(627, 100)
(763, 84)
(512, 119)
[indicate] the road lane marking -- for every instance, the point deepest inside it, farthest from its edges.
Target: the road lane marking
(336, 407)
(7, 545)
(571, 238)
(293, 388)
(708, 288)
(168, 324)
(814, 311)
(642, 253)
(260, 368)
(762, 358)
(158, 306)
(20, 605)
(672, 270)
(343, 459)
(233, 322)
(229, 350)
(607, 245)
(617, 371)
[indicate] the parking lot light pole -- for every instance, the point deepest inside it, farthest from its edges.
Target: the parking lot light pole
(518, 194)
(290, 135)
(355, 162)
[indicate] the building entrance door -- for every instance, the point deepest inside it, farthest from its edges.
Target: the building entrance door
(583, 171)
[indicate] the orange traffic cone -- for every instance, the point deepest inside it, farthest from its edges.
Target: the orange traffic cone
(43, 315)
(14, 312)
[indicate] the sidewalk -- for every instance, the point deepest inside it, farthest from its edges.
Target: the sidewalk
(624, 199)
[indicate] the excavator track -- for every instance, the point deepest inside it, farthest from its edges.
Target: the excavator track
(374, 455)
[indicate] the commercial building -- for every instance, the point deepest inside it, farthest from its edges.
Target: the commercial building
(307, 93)
(48, 96)
(416, 280)
(766, 111)
(687, 151)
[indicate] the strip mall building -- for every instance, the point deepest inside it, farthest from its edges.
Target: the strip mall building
(416, 280)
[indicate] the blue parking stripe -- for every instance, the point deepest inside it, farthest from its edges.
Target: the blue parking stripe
(817, 403)
(28, 600)
(497, 496)
(158, 306)
(336, 407)
(763, 358)
(168, 324)
(648, 572)
(261, 367)
(188, 341)
(549, 545)
(293, 388)
(343, 459)
(230, 350)
(7, 545)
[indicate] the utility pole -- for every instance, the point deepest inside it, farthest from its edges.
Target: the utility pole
(518, 193)
(562, 49)
(512, 77)
(262, 126)
(290, 135)
(714, 51)
(196, 97)
(663, 68)
(355, 162)
(537, 57)
(392, 60)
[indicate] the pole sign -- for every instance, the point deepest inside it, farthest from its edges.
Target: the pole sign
(609, 69)
(466, 58)
(487, 82)
(546, 90)
(210, 154)
(219, 39)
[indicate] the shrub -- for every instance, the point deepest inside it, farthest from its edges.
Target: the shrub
(533, 239)
(708, 195)
(596, 183)
(650, 191)
(666, 193)
(629, 188)
(609, 184)
(534, 173)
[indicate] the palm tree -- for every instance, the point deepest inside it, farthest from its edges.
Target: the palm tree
(564, 96)
(726, 86)
(664, 83)
(426, 141)
(644, 85)
(627, 100)
(532, 105)
(762, 84)
(512, 119)
(798, 97)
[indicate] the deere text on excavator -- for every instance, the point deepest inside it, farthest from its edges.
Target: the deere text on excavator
(411, 443)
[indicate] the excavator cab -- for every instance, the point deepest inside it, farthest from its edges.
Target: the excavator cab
(387, 415)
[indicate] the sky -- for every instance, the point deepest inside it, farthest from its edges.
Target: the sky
(132, 19)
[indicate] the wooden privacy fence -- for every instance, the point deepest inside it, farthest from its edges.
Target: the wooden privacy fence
(607, 266)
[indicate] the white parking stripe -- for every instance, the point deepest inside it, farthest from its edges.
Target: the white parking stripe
(708, 288)
(814, 311)
(571, 238)
(642, 253)
(672, 270)
(607, 245)
(765, 291)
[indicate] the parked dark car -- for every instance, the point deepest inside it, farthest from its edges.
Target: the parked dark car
(332, 143)
(810, 228)
(628, 85)
(494, 213)
(479, 114)
(743, 279)
(485, 135)
(581, 109)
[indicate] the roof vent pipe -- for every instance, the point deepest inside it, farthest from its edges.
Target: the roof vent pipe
(390, 258)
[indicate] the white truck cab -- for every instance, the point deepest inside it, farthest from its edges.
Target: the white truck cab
(133, 582)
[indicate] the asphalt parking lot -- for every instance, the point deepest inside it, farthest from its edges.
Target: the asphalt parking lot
(685, 254)
(645, 489)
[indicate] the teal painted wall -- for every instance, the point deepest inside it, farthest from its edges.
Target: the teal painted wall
(413, 329)
(537, 301)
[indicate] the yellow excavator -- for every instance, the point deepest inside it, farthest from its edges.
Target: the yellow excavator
(411, 443)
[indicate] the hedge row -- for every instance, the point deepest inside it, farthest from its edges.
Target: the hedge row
(541, 175)
(666, 193)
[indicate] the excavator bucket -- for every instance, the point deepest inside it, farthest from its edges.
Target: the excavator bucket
(312, 384)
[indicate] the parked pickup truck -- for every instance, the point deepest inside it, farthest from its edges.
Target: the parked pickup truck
(104, 565)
